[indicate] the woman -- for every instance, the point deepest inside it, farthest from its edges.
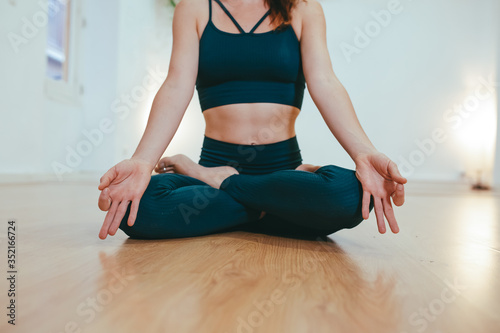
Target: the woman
(249, 61)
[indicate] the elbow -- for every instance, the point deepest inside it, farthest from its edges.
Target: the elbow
(330, 80)
(179, 85)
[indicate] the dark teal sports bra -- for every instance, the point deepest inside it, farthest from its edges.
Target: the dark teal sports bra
(249, 67)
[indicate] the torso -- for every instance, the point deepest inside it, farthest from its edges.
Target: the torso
(248, 123)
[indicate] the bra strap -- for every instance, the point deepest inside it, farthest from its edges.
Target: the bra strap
(231, 17)
(260, 21)
(209, 10)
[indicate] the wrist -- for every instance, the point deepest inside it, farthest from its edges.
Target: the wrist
(150, 164)
(359, 156)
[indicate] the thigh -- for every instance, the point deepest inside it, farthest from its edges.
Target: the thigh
(175, 205)
(328, 199)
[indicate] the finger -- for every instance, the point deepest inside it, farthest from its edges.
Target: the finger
(365, 210)
(162, 167)
(103, 233)
(159, 166)
(104, 200)
(379, 213)
(399, 195)
(389, 214)
(120, 213)
(133, 212)
(107, 178)
(395, 174)
(165, 170)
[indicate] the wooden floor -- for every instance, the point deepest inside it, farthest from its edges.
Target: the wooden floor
(441, 273)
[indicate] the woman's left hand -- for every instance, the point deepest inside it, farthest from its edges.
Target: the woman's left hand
(381, 179)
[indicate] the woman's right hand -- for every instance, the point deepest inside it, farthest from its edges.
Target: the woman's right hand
(124, 183)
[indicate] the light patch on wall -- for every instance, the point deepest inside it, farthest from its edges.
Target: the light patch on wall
(476, 138)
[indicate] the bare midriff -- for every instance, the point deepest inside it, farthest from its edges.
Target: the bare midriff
(251, 123)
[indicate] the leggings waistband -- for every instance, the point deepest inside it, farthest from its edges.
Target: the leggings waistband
(251, 159)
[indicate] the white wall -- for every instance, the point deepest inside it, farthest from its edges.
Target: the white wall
(496, 175)
(145, 44)
(425, 61)
(36, 131)
(21, 80)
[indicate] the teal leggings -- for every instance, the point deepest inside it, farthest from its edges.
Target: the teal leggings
(297, 203)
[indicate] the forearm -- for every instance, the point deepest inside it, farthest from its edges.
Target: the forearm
(338, 112)
(168, 108)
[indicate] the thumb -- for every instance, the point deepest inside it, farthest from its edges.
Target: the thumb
(395, 174)
(104, 201)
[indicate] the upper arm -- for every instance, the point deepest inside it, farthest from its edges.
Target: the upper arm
(316, 62)
(183, 67)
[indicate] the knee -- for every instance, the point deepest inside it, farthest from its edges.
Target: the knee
(141, 229)
(357, 217)
(344, 197)
(128, 230)
(358, 212)
(336, 222)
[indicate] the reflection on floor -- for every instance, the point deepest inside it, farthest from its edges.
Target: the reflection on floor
(441, 273)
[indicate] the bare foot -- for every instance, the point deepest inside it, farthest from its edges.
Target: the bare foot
(183, 165)
(308, 167)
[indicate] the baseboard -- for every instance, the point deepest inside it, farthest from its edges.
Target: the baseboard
(413, 187)
(422, 187)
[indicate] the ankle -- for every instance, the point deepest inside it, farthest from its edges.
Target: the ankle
(186, 165)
